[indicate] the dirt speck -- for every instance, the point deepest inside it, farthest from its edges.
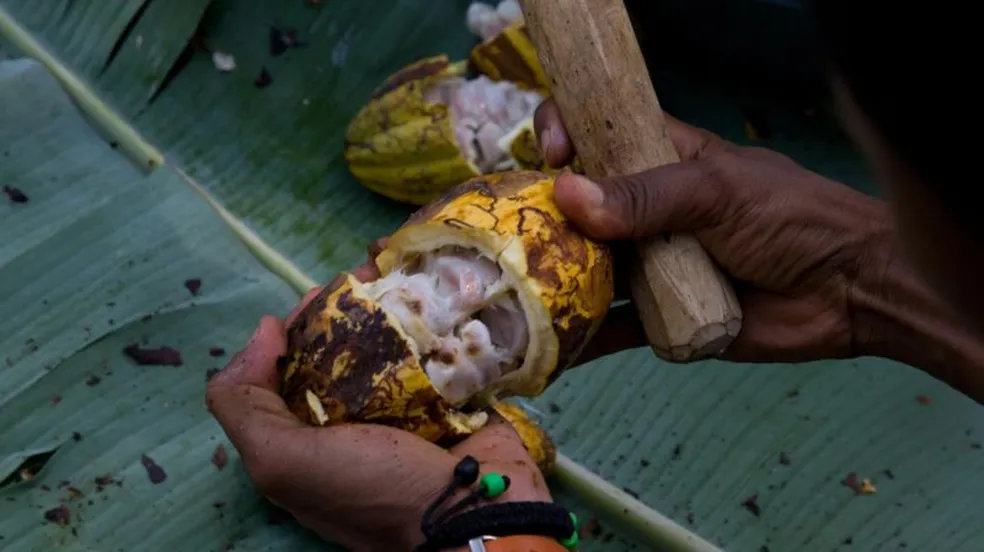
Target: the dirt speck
(751, 504)
(161, 356)
(193, 285)
(60, 515)
(15, 195)
(924, 399)
(93, 380)
(644, 463)
(76, 436)
(216, 351)
(154, 471)
(889, 474)
(263, 79)
(851, 481)
(220, 457)
(784, 459)
(554, 408)
(691, 518)
(631, 493)
(56, 399)
(677, 451)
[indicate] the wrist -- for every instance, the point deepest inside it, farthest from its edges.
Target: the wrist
(896, 315)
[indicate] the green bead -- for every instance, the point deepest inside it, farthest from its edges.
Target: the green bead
(570, 542)
(492, 485)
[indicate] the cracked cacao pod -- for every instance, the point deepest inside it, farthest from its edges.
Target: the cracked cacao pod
(429, 127)
(510, 55)
(485, 293)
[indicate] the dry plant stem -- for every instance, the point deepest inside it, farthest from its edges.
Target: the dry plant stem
(602, 87)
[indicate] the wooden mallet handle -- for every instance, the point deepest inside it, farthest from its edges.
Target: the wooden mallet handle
(603, 90)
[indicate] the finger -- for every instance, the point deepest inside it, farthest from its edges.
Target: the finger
(551, 134)
(243, 397)
(680, 196)
(376, 247)
(498, 443)
(308, 297)
(620, 331)
(256, 363)
(692, 142)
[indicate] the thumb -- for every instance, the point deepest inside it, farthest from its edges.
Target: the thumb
(679, 196)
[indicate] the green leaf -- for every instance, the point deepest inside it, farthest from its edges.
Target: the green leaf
(694, 442)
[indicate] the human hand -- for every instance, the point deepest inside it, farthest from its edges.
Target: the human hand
(793, 241)
(364, 486)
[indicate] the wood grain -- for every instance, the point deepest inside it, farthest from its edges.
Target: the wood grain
(606, 98)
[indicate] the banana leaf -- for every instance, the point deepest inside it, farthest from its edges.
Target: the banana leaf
(170, 205)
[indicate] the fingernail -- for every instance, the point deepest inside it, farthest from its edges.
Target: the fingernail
(590, 193)
(546, 139)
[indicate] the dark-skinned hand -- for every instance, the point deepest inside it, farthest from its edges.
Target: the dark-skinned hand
(793, 241)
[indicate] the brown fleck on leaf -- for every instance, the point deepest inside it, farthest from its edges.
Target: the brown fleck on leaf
(162, 356)
(924, 399)
(263, 79)
(60, 515)
(103, 481)
(76, 436)
(93, 380)
(154, 472)
(193, 285)
(216, 351)
(45, 488)
(554, 408)
(56, 399)
(73, 493)
(852, 482)
(677, 451)
(219, 504)
(220, 457)
(15, 195)
(751, 504)
(784, 459)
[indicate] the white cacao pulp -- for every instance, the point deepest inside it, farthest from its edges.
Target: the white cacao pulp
(483, 113)
(466, 321)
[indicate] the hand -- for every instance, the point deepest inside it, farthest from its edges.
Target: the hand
(363, 486)
(793, 241)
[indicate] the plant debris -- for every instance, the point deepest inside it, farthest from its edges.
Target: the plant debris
(784, 459)
(15, 195)
(283, 40)
(751, 504)
(859, 486)
(93, 380)
(193, 285)
(220, 457)
(216, 351)
(162, 356)
(263, 79)
(154, 472)
(924, 399)
(104, 481)
(224, 62)
(889, 474)
(60, 515)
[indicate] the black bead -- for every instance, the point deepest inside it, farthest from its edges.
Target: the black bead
(466, 472)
